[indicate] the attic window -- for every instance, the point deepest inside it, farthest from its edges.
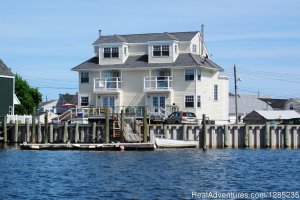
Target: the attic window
(161, 50)
(112, 52)
(194, 48)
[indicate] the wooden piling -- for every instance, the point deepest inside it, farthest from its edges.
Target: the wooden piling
(204, 131)
(4, 129)
(94, 132)
(106, 125)
(246, 136)
(145, 133)
(46, 128)
(51, 133)
(65, 134)
(286, 136)
(16, 132)
(122, 125)
(33, 127)
(184, 131)
(76, 132)
(39, 138)
(267, 135)
(225, 136)
(27, 137)
(165, 127)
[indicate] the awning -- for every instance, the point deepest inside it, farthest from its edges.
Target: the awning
(16, 100)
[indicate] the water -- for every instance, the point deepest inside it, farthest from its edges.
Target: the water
(160, 174)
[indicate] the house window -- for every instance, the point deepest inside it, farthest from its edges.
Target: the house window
(194, 48)
(189, 101)
(161, 50)
(216, 92)
(198, 74)
(292, 107)
(189, 74)
(176, 49)
(111, 52)
(84, 101)
(125, 51)
(10, 110)
(199, 101)
(84, 77)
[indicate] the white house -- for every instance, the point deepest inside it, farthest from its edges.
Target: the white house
(157, 70)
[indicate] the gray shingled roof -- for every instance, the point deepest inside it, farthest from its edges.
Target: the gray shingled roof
(142, 38)
(247, 103)
(4, 70)
(142, 61)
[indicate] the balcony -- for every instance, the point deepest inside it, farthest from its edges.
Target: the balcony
(107, 85)
(158, 83)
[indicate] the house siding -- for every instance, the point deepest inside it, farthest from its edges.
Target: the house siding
(6, 95)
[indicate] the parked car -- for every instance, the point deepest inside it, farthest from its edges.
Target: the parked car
(181, 117)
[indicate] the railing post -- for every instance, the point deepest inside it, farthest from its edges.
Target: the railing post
(105, 84)
(168, 82)
(155, 82)
(145, 134)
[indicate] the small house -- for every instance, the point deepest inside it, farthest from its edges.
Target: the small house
(273, 117)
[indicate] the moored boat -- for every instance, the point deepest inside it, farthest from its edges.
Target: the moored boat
(170, 143)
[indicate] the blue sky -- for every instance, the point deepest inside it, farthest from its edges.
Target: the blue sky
(43, 39)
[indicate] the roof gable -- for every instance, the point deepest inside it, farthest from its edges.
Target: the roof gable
(4, 70)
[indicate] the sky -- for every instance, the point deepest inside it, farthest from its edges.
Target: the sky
(41, 40)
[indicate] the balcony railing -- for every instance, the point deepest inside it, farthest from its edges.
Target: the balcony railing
(107, 84)
(158, 83)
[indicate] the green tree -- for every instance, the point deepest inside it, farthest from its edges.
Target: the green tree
(29, 97)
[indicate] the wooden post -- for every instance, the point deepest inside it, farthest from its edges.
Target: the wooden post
(65, 134)
(145, 133)
(27, 137)
(16, 131)
(94, 132)
(106, 125)
(267, 135)
(286, 136)
(33, 127)
(51, 133)
(122, 125)
(4, 130)
(204, 131)
(39, 139)
(184, 131)
(246, 139)
(165, 131)
(225, 136)
(46, 128)
(76, 133)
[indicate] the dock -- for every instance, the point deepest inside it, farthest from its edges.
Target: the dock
(89, 146)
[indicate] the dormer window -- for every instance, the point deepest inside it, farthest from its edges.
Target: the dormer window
(125, 51)
(112, 52)
(194, 48)
(161, 50)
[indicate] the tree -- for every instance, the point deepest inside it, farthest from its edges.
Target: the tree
(29, 97)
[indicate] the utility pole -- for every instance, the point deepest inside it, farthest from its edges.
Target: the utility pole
(235, 95)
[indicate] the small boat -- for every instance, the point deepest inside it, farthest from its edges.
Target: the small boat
(169, 143)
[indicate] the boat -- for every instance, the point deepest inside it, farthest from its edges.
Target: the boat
(170, 143)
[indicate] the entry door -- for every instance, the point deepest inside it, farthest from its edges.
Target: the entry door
(108, 101)
(158, 102)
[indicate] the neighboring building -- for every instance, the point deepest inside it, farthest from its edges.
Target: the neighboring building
(246, 104)
(157, 70)
(8, 99)
(273, 117)
(276, 104)
(65, 102)
(48, 106)
(293, 104)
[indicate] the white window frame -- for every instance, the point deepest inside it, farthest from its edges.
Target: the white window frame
(185, 101)
(194, 48)
(185, 74)
(198, 101)
(83, 76)
(125, 51)
(81, 100)
(161, 49)
(216, 92)
(111, 50)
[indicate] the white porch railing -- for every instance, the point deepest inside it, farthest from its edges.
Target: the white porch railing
(158, 83)
(107, 84)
